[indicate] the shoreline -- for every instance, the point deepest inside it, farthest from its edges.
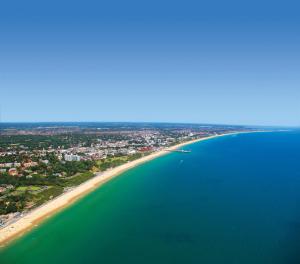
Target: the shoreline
(31, 219)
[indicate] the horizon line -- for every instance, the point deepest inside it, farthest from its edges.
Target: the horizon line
(150, 122)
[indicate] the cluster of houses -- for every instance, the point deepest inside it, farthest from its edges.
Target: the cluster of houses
(104, 148)
(130, 144)
(13, 168)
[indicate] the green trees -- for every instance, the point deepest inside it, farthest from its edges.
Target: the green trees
(13, 203)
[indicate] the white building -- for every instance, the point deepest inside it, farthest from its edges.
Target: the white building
(131, 151)
(45, 161)
(72, 157)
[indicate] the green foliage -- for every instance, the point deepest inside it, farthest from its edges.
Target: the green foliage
(47, 194)
(77, 179)
(72, 167)
(117, 161)
(28, 188)
(13, 203)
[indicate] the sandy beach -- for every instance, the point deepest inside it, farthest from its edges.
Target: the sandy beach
(35, 216)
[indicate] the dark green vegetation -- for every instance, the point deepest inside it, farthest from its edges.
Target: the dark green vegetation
(47, 194)
(77, 179)
(117, 161)
(13, 203)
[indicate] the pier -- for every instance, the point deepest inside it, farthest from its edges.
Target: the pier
(179, 150)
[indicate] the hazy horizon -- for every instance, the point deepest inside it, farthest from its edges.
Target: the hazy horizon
(144, 122)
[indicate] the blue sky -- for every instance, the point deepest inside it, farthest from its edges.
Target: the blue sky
(232, 62)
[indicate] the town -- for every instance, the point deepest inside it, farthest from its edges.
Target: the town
(38, 163)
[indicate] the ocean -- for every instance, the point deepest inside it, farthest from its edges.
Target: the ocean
(233, 199)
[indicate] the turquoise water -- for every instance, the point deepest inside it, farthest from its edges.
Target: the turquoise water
(234, 199)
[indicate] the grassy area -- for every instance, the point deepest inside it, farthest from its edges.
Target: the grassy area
(76, 180)
(111, 162)
(117, 161)
(47, 194)
(28, 188)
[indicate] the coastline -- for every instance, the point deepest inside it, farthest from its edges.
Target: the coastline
(37, 215)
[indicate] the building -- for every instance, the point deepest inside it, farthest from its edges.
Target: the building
(144, 149)
(131, 151)
(72, 157)
(30, 164)
(46, 162)
(13, 172)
